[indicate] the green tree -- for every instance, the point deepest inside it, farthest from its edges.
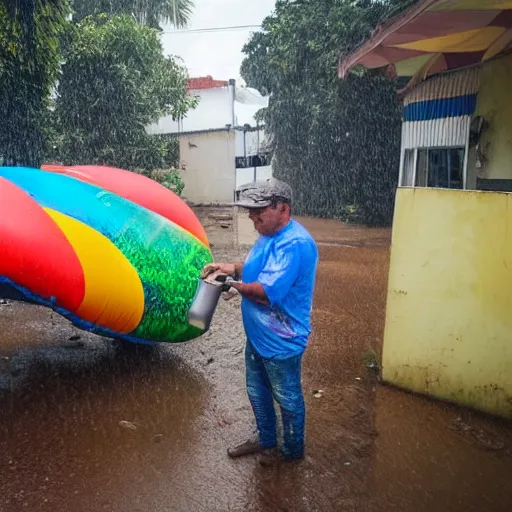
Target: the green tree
(336, 142)
(30, 32)
(147, 12)
(115, 82)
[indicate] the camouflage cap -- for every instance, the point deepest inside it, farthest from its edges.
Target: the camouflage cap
(261, 194)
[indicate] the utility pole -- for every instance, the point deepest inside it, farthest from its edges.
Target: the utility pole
(257, 148)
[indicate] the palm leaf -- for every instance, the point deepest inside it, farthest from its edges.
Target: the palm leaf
(147, 12)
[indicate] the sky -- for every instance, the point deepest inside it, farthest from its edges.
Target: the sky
(218, 54)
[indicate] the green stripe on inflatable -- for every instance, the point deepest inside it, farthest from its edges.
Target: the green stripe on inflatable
(169, 262)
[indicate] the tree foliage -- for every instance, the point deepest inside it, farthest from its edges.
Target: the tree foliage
(30, 32)
(85, 92)
(146, 12)
(336, 142)
(115, 82)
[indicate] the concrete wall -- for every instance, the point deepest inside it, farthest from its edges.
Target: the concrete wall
(495, 105)
(449, 307)
(207, 166)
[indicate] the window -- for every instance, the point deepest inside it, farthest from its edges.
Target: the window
(433, 167)
(408, 169)
(422, 168)
(260, 160)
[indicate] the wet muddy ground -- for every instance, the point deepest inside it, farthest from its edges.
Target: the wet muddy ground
(89, 424)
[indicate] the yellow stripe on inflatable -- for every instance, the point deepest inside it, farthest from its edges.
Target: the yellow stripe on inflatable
(114, 297)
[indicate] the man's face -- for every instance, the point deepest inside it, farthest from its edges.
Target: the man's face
(269, 220)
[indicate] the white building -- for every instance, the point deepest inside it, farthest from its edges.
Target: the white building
(221, 144)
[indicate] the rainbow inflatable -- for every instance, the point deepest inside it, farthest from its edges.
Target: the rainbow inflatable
(112, 251)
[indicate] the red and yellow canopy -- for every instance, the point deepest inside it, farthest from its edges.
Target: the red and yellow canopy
(436, 35)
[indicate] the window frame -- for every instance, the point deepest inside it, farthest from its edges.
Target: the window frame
(415, 164)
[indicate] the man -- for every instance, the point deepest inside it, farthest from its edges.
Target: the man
(278, 279)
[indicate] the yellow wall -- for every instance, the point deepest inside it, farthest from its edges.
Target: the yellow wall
(449, 312)
(494, 103)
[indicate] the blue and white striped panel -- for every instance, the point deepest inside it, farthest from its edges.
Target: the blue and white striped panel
(438, 112)
(443, 132)
(440, 109)
(464, 82)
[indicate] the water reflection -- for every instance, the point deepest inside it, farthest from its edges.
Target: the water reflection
(82, 423)
(423, 461)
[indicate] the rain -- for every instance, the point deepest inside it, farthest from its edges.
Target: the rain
(94, 423)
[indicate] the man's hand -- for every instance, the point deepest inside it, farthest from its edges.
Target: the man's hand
(228, 269)
(231, 293)
(253, 291)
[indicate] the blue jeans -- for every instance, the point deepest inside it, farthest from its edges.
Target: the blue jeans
(269, 379)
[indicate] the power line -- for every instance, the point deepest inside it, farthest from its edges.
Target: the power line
(212, 29)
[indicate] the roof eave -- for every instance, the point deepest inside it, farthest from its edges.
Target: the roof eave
(379, 34)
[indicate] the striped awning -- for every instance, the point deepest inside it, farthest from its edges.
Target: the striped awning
(434, 36)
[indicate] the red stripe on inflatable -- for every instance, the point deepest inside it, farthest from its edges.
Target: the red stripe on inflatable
(34, 253)
(140, 190)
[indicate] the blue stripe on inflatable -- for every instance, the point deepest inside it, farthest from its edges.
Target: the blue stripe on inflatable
(440, 108)
(106, 212)
(82, 201)
(78, 322)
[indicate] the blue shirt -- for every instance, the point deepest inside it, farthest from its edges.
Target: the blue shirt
(285, 264)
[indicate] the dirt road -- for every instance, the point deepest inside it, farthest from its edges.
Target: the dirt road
(92, 425)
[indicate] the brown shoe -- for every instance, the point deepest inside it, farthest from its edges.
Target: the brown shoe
(250, 447)
(269, 458)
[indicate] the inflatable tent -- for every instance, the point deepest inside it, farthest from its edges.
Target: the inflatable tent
(112, 251)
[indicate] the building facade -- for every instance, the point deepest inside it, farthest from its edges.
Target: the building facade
(216, 154)
(449, 303)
